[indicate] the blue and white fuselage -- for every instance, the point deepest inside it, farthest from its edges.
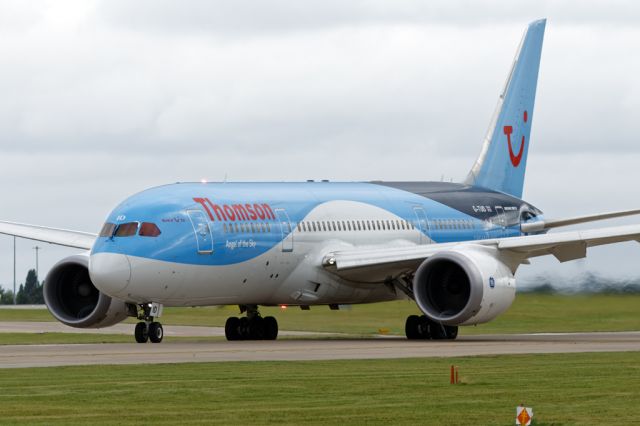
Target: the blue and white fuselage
(244, 243)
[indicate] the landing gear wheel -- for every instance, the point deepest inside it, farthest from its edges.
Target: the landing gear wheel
(424, 327)
(156, 333)
(141, 332)
(443, 332)
(411, 327)
(256, 328)
(243, 328)
(251, 327)
(148, 328)
(452, 331)
(270, 326)
(231, 327)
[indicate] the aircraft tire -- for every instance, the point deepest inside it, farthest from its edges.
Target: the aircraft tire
(141, 332)
(424, 327)
(452, 331)
(412, 327)
(270, 326)
(231, 328)
(443, 332)
(243, 329)
(156, 332)
(256, 328)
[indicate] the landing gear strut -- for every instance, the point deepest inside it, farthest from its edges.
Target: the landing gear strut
(149, 329)
(421, 327)
(251, 327)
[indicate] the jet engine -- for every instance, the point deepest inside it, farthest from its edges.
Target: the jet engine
(464, 286)
(73, 300)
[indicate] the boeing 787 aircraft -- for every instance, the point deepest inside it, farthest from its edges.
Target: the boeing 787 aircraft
(451, 247)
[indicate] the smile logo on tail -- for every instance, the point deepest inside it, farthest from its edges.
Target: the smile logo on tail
(515, 159)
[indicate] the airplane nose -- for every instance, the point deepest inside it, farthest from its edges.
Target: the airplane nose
(110, 272)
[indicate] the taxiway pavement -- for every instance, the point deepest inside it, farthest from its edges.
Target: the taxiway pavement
(35, 327)
(16, 356)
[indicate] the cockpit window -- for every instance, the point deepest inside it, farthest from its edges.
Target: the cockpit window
(107, 229)
(127, 229)
(148, 229)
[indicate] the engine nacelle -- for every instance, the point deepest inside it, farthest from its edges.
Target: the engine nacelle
(464, 286)
(73, 300)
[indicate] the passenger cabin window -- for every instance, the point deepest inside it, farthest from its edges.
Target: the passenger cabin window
(127, 229)
(148, 229)
(107, 229)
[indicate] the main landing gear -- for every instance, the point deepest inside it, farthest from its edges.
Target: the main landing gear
(251, 327)
(149, 329)
(421, 327)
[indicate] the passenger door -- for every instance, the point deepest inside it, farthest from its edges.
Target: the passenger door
(285, 229)
(500, 220)
(202, 230)
(423, 224)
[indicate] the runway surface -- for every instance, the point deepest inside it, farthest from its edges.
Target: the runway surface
(16, 356)
(169, 330)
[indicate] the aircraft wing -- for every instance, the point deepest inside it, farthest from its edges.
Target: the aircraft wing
(555, 223)
(62, 237)
(564, 246)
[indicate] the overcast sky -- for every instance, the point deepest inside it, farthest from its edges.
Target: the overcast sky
(101, 99)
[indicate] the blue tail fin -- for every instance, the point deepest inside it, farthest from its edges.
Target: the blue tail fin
(503, 159)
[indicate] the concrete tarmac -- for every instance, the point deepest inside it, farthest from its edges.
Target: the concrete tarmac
(16, 356)
(169, 330)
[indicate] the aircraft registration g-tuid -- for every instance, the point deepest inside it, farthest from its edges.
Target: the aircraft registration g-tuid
(451, 247)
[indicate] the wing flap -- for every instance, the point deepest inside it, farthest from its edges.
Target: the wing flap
(591, 237)
(377, 263)
(62, 237)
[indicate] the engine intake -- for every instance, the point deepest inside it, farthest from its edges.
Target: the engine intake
(466, 286)
(73, 300)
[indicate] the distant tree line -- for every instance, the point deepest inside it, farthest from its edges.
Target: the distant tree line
(29, 293)
(583, 283)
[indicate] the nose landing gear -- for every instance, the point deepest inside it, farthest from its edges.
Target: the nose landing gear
(148, 329)
(251, 327)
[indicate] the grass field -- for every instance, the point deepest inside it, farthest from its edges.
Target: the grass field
(530, 313)
(562, 389)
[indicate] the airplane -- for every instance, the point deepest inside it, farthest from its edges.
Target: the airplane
(453, 248)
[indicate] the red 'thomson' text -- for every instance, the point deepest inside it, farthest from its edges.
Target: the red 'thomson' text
(234, 212)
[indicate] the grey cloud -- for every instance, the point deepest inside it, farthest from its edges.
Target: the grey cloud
(246, 17)
(102, 89)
